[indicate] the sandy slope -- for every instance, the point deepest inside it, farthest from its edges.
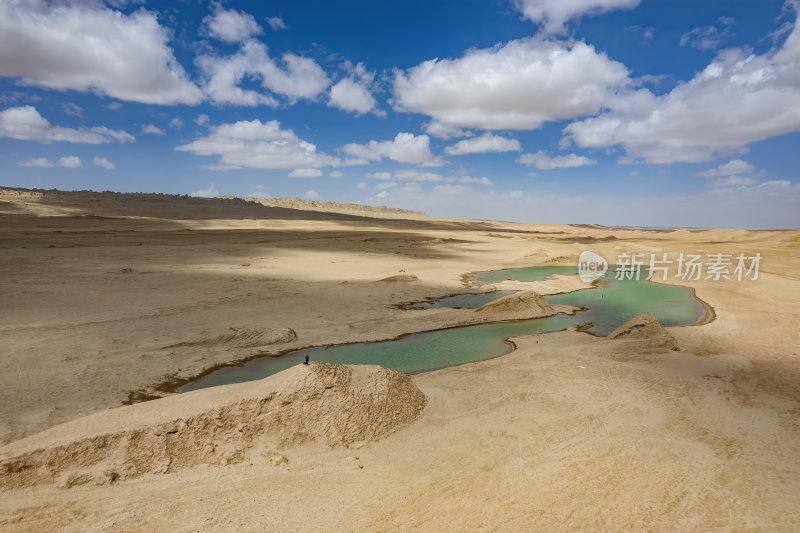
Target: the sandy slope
(104, 296)
(315, 402)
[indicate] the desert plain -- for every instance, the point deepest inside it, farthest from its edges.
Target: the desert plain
(110, 302)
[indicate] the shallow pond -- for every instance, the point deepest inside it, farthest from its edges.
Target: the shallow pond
(608, 305)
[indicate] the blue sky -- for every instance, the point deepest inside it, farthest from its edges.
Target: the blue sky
(620, 112)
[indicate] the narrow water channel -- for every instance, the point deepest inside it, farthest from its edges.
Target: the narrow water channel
(608, 305)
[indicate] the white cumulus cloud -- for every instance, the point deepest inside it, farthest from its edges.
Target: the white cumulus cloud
(152, 129)
(254, 144)
(353, 92)
(444, 131)
(230, 26)
(352, 96)
(294, 77)
(738, 99)
(41, 162)
(519, 85)
(484, 144)
(70, 161)
(544, 161)
(26, 124)
(735, 166)
(103, 163)
(305, 173)
(554, 14)
(405, 148)
(85, 47)
(276, 23)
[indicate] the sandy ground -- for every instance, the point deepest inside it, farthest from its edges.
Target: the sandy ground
(567, 432)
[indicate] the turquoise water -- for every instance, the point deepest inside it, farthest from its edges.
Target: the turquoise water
(473, 301)
(522, 274)
(608, 305)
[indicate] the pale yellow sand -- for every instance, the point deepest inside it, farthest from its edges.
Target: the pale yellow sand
(568, 432)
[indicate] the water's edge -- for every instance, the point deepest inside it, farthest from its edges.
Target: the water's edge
(174, 384)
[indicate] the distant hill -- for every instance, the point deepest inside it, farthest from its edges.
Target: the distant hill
(299, 203)
(177, 206)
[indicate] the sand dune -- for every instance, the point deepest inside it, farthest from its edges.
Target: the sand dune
(331, 404)
(243, 338)
(646, 329)
(401, 278)
(520, 305)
